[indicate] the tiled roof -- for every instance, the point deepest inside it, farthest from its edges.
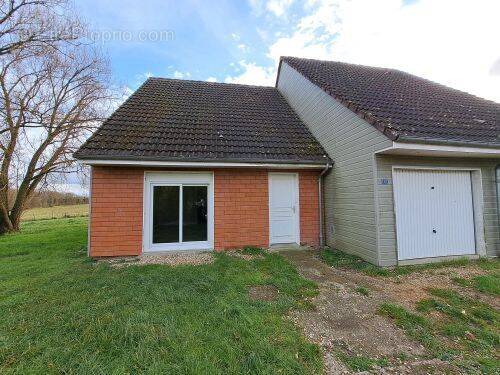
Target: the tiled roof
(403, 106)
(179, 120)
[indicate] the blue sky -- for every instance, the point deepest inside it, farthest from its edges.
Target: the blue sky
(208, 38)
(453, 42)
(240, 41)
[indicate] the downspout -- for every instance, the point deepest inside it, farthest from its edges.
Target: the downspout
(90, 211)
(320, 202)
(497, 180)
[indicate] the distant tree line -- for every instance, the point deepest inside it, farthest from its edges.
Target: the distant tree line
(50, 198)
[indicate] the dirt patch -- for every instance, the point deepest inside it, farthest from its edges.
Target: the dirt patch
(263, 292)
(239, 254)
(347, 322)
(176, 259)
(414, 287)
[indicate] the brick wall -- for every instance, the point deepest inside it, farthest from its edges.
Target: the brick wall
(241, 208)
(309, 208)
(240, 200)
(116, 211)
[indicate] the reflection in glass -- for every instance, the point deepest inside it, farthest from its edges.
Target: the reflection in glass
(165, 214)
(194, 213)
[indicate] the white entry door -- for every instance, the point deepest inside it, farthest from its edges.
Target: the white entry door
(434, 213)
(283, 208)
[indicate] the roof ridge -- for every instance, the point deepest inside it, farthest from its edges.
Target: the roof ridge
(208, 82)
(390, 70)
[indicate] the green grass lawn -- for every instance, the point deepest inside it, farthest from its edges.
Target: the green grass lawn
(62, 313)
(339, 259)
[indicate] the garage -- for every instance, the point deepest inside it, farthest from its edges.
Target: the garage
(434, 213)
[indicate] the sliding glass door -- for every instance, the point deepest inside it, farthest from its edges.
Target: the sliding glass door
(179, 215)
(194, 213)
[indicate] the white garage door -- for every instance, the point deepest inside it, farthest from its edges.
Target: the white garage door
(434, 213)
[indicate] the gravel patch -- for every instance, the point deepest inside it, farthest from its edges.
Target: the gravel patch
(174, 259)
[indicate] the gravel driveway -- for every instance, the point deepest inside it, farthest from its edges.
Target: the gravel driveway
(345, 322)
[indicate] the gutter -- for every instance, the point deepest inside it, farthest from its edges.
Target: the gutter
(205, 164)
(321, 205)
(444, 142)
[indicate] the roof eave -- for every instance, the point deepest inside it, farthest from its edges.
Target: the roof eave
(145, 160)
(205, 164)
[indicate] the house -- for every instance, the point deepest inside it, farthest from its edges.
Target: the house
(187, 165)
(414, 161)
(372, 161)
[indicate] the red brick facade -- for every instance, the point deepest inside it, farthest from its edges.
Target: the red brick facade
(116, 211)
(241, 215)
(309, 208)
(241, 208)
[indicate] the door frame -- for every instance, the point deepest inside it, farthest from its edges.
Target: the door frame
(173, 178)
(477, 207)
(297, 204)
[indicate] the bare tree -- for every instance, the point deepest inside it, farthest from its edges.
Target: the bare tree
(49, 100)
(53, 89)
(36, 24)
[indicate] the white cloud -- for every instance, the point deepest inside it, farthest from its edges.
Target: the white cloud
(242, 47)
(278, 7)
(262, 33)
(235, 36)
(495, 68)
(179, 75)
(211, 79)
(253, 75)
(447, 41)
(257, 6)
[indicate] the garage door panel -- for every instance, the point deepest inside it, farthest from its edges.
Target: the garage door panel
(434, 213)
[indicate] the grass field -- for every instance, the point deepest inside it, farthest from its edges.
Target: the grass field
(63, 313)
(55, 212)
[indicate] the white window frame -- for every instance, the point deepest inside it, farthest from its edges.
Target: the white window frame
(152, 179)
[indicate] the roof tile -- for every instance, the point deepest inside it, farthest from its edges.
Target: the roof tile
(404, 106)
(167, 119)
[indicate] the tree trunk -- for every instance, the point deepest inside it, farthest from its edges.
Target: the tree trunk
(16, 221)
(6, 224)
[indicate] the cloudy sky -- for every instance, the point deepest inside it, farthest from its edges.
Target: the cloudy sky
(455, 42)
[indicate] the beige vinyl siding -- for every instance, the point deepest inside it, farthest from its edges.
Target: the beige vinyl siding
(386, 216)
(350, 141)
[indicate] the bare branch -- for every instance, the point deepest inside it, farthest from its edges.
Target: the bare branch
(50, 97)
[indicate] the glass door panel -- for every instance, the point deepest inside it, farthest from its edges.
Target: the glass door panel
(166, 214)
(194, 213)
